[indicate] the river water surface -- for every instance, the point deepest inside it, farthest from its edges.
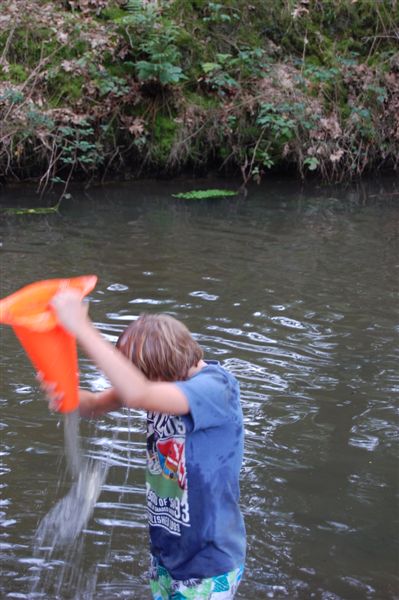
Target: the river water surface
(295, 292)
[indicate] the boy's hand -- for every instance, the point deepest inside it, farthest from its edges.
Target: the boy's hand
(71, 312)
(53, 398)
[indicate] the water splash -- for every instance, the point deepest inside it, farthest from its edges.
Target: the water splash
(70, 515)
(67, 519)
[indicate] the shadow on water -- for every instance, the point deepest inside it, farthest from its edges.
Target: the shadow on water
(295, 291)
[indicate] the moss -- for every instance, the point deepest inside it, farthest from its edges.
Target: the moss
(352, 25)
(249, 132)
(26, 46)
(163, 137)
(184, 39)
(182, 8)
(65, 88)
(223, 152)
(206, 102)
(122, 70)
(30, 45)
(112, 13)
(15, 73)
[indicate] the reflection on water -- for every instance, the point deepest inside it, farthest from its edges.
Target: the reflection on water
(295, 293)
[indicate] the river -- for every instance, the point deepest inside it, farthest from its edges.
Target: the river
(295, 290)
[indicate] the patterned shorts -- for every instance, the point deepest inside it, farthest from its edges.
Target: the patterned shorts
(220, 587)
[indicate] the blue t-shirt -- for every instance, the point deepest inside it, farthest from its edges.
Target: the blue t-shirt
(193, 468)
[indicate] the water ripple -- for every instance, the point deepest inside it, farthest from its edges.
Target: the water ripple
(301, 306)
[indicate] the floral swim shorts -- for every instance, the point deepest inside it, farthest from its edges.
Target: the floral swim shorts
(220, 587)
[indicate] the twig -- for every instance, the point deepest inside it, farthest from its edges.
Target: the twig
(7, 45)
(36, 70)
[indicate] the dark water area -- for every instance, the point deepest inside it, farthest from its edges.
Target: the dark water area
(295, 291)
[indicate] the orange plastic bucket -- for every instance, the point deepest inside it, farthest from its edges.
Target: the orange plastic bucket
(49, 346)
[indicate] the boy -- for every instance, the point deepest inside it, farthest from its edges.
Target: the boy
(194, 447)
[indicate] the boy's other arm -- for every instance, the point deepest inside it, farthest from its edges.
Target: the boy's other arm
(91, 404)
(94, 404)
(131, 388)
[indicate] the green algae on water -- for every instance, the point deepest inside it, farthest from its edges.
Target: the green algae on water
(205, 194)
(31, 211)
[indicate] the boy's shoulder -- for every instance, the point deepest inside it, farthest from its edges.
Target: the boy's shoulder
(213, 371)
(213, 397)
(214, 366)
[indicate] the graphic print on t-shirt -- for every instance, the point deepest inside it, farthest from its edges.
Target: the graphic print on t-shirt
(166, 473)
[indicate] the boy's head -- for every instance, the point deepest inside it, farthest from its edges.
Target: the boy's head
(161, 347)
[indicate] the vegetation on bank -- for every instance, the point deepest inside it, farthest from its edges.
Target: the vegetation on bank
(95, 89)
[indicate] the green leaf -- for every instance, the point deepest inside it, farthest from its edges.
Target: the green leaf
(209, 67)
(311, 162)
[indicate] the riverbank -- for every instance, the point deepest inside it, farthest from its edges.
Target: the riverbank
(94, 89)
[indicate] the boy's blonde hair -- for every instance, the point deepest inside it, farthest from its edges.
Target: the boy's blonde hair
(161, 347)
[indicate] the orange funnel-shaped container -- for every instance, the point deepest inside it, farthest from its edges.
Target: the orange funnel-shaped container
(50, 347)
